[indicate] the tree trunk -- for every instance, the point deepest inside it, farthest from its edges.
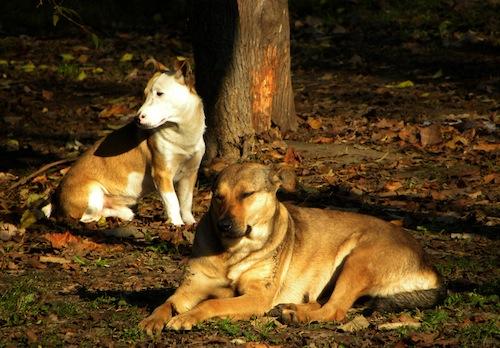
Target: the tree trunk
(242, 65)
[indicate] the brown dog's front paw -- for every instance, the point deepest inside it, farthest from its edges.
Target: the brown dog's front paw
(152, 324)
(182, 322)
(156, 321)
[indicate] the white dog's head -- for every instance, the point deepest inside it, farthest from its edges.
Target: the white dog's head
(167, 98)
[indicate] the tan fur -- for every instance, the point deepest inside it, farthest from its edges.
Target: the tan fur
(162, 149)
(274, 253)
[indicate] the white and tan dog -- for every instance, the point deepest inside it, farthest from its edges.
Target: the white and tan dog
(161, 149)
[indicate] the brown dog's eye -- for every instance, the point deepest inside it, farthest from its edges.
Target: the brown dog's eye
(159, 94)
(247, 194)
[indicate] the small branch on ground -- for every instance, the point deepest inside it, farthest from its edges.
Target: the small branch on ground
(46, 167)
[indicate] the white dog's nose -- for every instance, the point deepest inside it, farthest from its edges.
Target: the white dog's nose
(140, 118)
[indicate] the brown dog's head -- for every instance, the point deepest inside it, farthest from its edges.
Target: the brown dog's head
(244, 196)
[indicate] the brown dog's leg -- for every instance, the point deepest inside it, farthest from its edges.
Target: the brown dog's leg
(156, 321)
(192, 291)
(353, 281)
(302, 307)
(241, 307)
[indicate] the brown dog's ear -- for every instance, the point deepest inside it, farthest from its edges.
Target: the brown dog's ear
(183, 72)
(284, 177)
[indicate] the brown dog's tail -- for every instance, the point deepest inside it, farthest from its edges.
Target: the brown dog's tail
(409, 300)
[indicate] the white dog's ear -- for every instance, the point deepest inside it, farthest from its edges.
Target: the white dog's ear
(159, 67)
(284, 177)
(183, 72)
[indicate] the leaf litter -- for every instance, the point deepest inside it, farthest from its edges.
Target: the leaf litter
(419, 148)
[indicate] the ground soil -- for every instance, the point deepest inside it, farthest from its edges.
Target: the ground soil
(402, 129)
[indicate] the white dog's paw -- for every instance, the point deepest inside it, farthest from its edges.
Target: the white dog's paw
(176, 221)
(188, 218)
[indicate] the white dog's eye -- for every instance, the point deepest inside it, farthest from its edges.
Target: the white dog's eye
(159, 94)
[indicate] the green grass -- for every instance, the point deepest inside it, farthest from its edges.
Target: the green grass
(21, 302)
(103, 301)
(228, 327)
(65, 309)
(70, 71)
(478, 334)
(434, 318)
(471, 299)
(132, 334)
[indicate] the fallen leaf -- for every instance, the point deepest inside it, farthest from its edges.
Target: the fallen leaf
(430, 135)
(276, 155)
(408, 134)
(12, 266)
(452, 144)
(404, 84)
(475, 195)
(358, 323)
(389, 123)
(47, 95)
(115, 110)
(67, 57)
(257, 345)
(29, 68)
(67, 240)
(61, 240)
(397, 325)
(54, 259)
(322, 140)
(314, 123)
(127, 57)
(404, 320)
(326, 77)
(424, 337)
(461, 236)
(32, 336)
(486, 147)
(444, 194)
(7, 177)
(27, 219)
(9, 231)
(487, 179)
(292, 157)
(81, 76)
(40, 179)
(393, 185)
(132, 74)
(83, 58)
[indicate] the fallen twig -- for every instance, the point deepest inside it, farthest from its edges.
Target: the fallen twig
(40, 171)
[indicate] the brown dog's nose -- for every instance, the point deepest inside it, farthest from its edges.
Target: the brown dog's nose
(225, 225)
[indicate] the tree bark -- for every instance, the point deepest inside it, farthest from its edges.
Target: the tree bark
(242, 66)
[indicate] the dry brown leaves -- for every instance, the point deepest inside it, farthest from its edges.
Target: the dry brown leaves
(77, 244)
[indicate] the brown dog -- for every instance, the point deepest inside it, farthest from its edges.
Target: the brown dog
(252, 252)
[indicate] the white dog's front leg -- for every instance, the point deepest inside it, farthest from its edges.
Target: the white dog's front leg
(185, 188)
(163, 179)
(171, 204)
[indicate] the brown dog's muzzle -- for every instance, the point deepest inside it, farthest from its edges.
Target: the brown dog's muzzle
(228, 228)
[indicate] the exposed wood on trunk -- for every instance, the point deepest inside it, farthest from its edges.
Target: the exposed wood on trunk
(242, 63)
